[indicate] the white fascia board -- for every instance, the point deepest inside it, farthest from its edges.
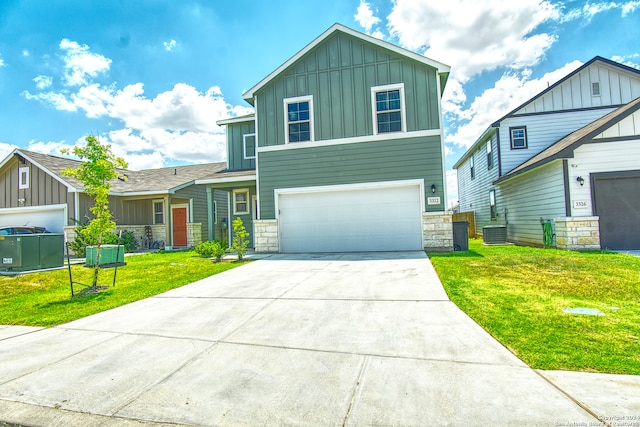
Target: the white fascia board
(226, 179)
(353, 140)
(486, 134)
(442, 68)
(70, 188)
(138, 193)
(9, 157)
(232, 120)
(34, 208)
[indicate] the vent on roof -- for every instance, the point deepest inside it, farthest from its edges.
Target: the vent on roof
(595, 89)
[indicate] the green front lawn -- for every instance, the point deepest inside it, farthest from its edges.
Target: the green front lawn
(44, 299)
(518, 295)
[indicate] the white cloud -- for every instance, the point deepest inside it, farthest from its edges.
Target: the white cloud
(365, 17)
(6, 149)
(51, 147)
(628, 60)
(169, 45)
(43, 82)
(474, 37)
(452, 188)
(81, 65)
(508, 93)
(25, 52)
(1, 61)
(58, 100)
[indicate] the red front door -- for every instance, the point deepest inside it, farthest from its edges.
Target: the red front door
(179, 226)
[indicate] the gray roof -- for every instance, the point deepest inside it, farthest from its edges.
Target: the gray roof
(161, 180)
(564, 147)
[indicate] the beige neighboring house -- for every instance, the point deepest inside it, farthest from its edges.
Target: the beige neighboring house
(161, 206)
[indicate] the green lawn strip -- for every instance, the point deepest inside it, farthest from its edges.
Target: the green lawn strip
(44, 299)
(518, 295)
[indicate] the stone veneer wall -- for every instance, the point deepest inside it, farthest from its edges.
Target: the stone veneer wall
(578, 233)
(437, 231)
(265, 235)
(194, 234)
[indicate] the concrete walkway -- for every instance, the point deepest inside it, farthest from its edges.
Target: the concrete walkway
(341, 339)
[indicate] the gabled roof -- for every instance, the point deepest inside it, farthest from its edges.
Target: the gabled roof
(141, 182)
(443, 69)
(564, 148)
(496, 124)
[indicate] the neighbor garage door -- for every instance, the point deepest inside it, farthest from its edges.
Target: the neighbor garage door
(50, 217)
(618, 206)
(387, 218)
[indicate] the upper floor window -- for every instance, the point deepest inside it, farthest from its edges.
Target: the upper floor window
(158, 212)
(518, 137)
(23, 178)
(388, 108)
(249, 146)
(595, 89)
(298, 119)
(489, 155)
(472, 167)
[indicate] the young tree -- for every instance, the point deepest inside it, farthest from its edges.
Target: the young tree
(97, 170)
(240, 242)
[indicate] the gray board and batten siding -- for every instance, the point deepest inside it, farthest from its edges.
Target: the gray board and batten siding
(339, 73)
(362, 162)
(43, 189)
(235, 145)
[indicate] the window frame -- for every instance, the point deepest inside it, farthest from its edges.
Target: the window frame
(524, 138)
(244, 146)
(297, 100)
(214, 211)
(472, 165)
(374, 105)
(492, 205)
(595, 92)
(247, 201)
(161, 203)
(23, 172)
(489, 155)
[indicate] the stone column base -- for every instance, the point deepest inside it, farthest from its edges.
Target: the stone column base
(437, 231)
(265, 235)
(578, 233)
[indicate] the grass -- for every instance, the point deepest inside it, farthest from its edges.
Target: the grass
(518, 295)
(44, 299)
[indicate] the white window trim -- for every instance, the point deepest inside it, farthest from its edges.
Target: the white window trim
(294, 100)
(595, 85)
(215, 211)
(244, 146)
(164, 211)
(248, 201)
(23, 172)
(374, 112)
(525, 138)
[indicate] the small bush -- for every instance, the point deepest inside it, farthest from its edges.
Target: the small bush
(129, 241)
(211, 249)
(240, 242)
(79, 245)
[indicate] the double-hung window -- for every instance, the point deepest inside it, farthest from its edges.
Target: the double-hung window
(249, 145)
(298, 114)
(472, 167)
(241, 202)
(158, 212)
(388, 108)
(492, 204)
(518, 137)
(489, 155)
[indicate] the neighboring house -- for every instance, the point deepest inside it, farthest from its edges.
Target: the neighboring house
(176, 211)
(569, 156)
(344, 153)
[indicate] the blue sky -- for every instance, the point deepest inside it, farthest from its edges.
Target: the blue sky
(152, 77)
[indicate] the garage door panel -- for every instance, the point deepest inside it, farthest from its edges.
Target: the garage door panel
(619, 210)
(52, 219)
(374, 219)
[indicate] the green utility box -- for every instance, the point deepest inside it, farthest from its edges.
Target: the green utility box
(108, 255)
(26, 252)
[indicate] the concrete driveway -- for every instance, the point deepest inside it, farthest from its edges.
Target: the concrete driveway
(341, 339)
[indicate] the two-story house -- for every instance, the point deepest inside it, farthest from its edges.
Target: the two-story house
(569, 156)
(344, 151)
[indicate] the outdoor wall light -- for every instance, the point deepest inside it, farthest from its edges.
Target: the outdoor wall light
(580, 180)
(433, 188)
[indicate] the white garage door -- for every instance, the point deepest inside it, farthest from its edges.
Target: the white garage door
(368, 219)
(51, 217)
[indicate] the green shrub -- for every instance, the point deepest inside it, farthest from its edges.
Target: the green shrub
(79, 245)
(211, 249)
(129, 241)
